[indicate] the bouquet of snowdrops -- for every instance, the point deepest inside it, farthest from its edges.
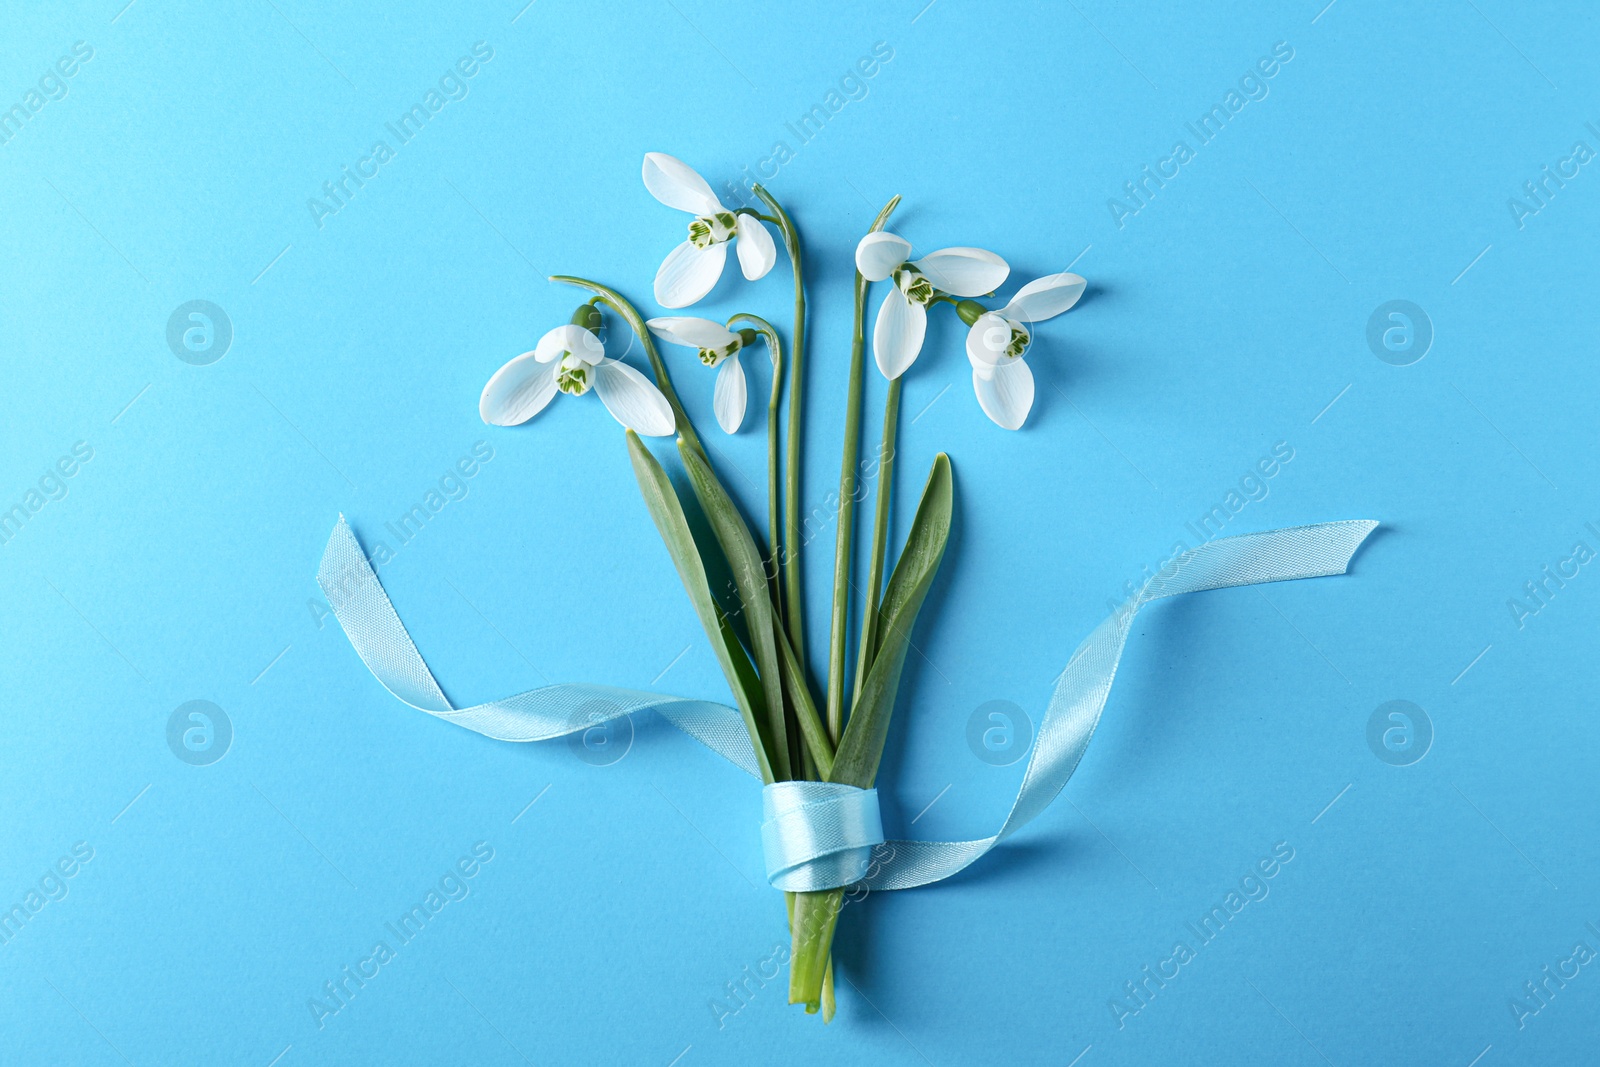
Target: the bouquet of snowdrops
(756, 629)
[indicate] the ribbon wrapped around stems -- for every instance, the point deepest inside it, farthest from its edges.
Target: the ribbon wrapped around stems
(820, 835)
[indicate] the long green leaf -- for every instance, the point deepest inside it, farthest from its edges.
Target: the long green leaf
(861, 747)
(662, 501)
(750, 578)
(812, 731)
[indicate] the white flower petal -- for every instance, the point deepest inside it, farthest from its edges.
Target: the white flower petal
(675, 184)
(987, 340)
(964, 271)
(756, 251)
(518, 391)
(1007, 395)
(633, 400)
(689, 273)
(1045, 298)
(691, 332)
(897, 335)
(569, 338)
(880, 253)
(731, 394)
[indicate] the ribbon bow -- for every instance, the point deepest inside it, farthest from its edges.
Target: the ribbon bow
(821, 835)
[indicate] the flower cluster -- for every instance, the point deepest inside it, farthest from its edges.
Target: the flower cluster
(571, 358)
(996, 340)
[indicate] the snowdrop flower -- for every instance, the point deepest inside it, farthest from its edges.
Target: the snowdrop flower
(570, 359)
(691, 270)
(719, 347)
(903, 318)
(998, 340)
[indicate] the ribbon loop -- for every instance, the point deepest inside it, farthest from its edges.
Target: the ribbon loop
(818, 835)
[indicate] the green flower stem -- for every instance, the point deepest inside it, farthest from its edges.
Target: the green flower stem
(801, 762)
(811, 927)
(794, 614)
(847, 514)
(775, 347)
(880, 535)
(847, 502)
(616, 302)
(828, 1005)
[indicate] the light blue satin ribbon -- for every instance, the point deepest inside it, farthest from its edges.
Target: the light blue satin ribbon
(820, 835)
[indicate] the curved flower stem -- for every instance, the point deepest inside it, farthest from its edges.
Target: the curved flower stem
(618, 303)
(775, 348)
(880, 535)
(789, 557)
(847, 504)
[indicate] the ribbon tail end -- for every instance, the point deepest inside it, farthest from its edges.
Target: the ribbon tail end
(1360, 530)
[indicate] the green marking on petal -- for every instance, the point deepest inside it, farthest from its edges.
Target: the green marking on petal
(711, 357)
(714, 229)
(573, 376)
(913, 283)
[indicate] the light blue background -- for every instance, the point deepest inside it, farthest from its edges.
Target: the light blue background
(1227, 315)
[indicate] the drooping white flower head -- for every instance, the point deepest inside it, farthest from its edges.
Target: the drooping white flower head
(691, 270)
(903, 317)
(998, 340)
(570, 359)
(719, 347)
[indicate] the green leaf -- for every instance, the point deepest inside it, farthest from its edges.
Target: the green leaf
(662, 501)
(750, 578)
(861, 747)
(815, 735)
